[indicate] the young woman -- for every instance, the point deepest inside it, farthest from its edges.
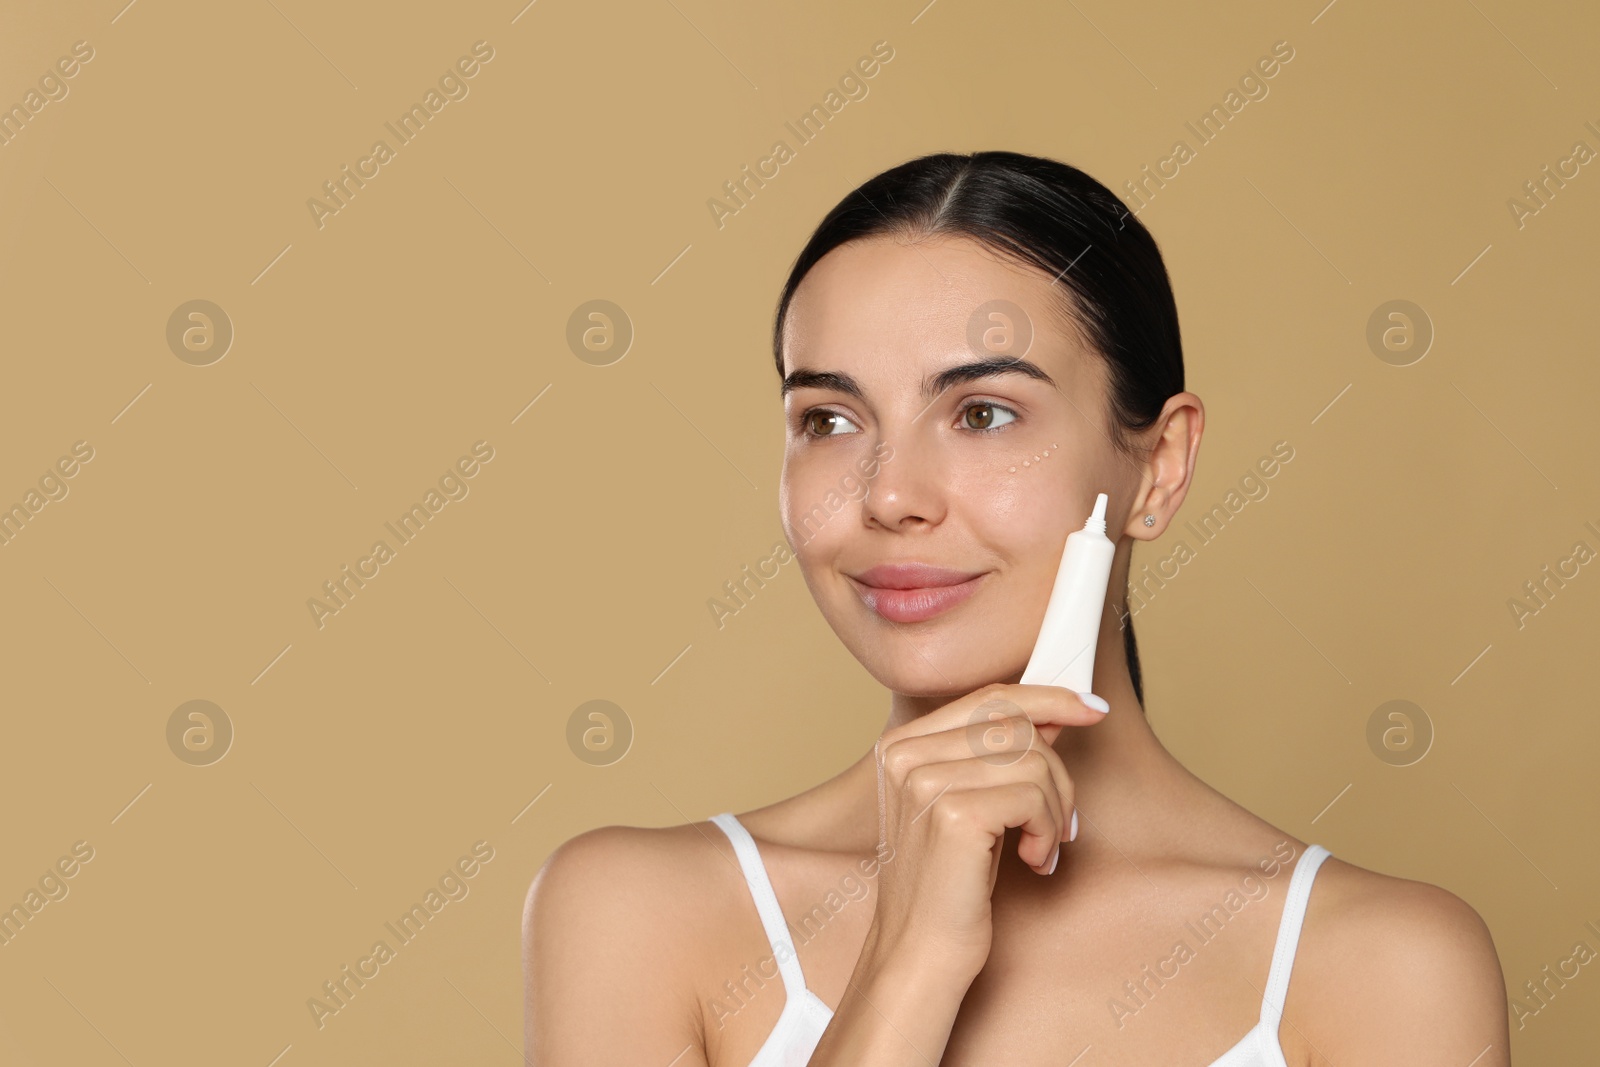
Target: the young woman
(1014, 873)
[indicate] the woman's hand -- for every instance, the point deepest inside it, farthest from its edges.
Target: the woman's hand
(950, 784)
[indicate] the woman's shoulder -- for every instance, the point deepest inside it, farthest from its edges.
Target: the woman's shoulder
(625, 905)
(1386, 920)
(1378, 953)
(666, 888)
(1386, 967)
(1358, 906)
(667, 867)
(1388, 907)
(623, 923)
(1357, 918)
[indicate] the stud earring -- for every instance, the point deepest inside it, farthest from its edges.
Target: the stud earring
(1149, 520)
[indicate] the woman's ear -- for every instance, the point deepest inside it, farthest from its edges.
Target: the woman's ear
(1174, 445)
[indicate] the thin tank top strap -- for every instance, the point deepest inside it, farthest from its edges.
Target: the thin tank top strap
(772, 921)
(1294, 914)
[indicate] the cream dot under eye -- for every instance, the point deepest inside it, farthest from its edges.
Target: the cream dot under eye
(1028, 463)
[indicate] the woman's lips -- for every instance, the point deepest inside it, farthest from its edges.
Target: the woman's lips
(914, 605)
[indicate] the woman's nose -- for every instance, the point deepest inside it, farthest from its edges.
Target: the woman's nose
(909, 488)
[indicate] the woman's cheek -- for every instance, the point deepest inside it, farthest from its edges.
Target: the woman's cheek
(1022, 512)
(808, 523)
(997, 498)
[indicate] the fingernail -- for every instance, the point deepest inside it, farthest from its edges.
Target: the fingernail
(1072, 835)
(1097, 703)
(1055, 857)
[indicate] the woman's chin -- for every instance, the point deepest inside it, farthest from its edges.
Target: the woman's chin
(933, 663)
(933, 679)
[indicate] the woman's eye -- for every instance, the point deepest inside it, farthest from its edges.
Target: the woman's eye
(981, 416)
(821, 422)
(986, 415)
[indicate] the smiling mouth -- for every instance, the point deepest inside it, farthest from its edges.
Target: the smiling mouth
(914, 605)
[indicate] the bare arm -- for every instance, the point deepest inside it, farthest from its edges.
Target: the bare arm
(896, 1012)
(603, 974)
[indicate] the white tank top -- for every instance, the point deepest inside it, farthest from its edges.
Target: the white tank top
(805, 1016)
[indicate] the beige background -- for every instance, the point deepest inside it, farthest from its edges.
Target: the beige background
(431, 311)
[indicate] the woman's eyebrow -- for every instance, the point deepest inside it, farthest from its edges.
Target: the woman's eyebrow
(933, 386)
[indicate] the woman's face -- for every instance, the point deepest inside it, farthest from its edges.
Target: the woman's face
(984, 479)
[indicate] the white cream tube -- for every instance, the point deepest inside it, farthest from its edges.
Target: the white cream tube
(1064, 653)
